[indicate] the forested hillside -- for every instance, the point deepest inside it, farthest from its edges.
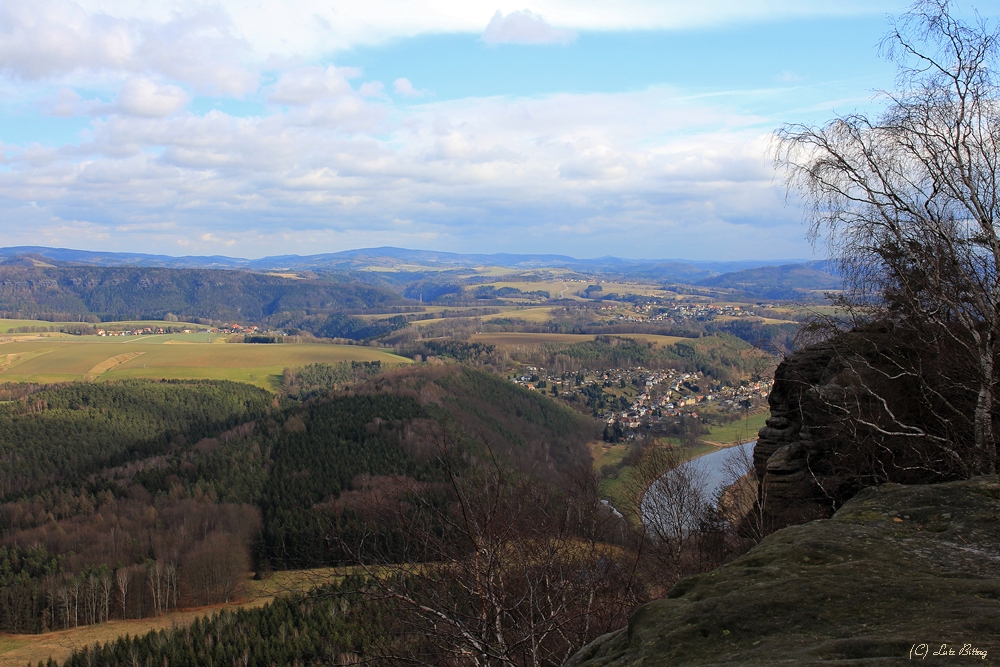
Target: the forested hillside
(68, 432)
(130, 293)
(129, 499)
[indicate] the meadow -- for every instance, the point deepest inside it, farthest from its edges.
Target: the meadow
(738, 431)
(63, 358)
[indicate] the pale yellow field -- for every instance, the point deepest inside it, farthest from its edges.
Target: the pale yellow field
(643, 290)
(762, 320)
(540, 314)
(540, 338)
(178, 356)
(529, 338)
(662, 341)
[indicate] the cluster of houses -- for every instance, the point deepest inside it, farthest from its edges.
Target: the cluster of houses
(235, 328)
(143, 331)
(652, 312)
(662, 393)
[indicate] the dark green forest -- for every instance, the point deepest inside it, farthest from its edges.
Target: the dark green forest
(330, 625)
(136, 497)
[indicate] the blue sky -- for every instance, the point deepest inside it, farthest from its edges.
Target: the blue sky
(638, 129)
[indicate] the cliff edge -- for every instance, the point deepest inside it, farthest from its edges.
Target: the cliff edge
(896, 569)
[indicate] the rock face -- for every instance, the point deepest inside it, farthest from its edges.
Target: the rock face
(897, 569)
(791, 448)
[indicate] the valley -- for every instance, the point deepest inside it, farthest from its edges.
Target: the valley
(189, 462)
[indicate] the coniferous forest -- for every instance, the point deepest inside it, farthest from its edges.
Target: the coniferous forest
(130, 499)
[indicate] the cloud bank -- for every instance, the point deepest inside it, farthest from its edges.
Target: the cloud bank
(226, 127)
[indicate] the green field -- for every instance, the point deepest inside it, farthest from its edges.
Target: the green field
(177, 356)
(738, 431)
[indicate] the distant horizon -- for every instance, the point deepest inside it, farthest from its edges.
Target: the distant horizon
(772, 262)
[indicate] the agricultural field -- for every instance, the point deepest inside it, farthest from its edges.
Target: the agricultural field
(542, 338)
(57, 358)
(641, 290)
(537, 315)
(529, 338)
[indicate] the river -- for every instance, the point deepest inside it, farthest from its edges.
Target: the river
(708, 472)
(713, 466)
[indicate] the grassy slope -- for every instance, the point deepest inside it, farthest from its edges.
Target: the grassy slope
(191, 356)
(895, 567)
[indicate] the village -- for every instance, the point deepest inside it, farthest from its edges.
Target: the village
(630, 398)
(149, 331)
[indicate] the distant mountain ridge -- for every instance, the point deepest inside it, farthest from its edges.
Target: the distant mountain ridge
(788, 281)
(654, 269)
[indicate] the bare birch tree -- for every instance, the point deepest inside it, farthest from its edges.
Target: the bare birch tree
(121, 578)
(671, 500)
(908, 203)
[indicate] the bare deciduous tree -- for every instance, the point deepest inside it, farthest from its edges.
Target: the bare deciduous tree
(908, 202)
(670, 501)
(121, 578)
(492, 569)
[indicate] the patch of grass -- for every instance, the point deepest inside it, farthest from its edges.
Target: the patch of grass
(738, 431)
(606, 453)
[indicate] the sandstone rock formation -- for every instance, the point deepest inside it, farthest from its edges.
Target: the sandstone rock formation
(791, 448)
(897, 569)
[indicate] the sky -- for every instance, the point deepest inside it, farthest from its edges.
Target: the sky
(249, 128)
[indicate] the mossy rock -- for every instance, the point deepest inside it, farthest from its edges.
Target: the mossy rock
(897, 566)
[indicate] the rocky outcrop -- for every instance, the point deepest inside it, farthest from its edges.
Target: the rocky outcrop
(898, 569)
(792, 447)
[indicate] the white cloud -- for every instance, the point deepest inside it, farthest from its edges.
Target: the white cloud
(203, 49)
(142, 97)
(41, 38)
(311, 84)
(64, 102)
(405, 88)
(524, 27)
(489, 173)
(372, 89)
